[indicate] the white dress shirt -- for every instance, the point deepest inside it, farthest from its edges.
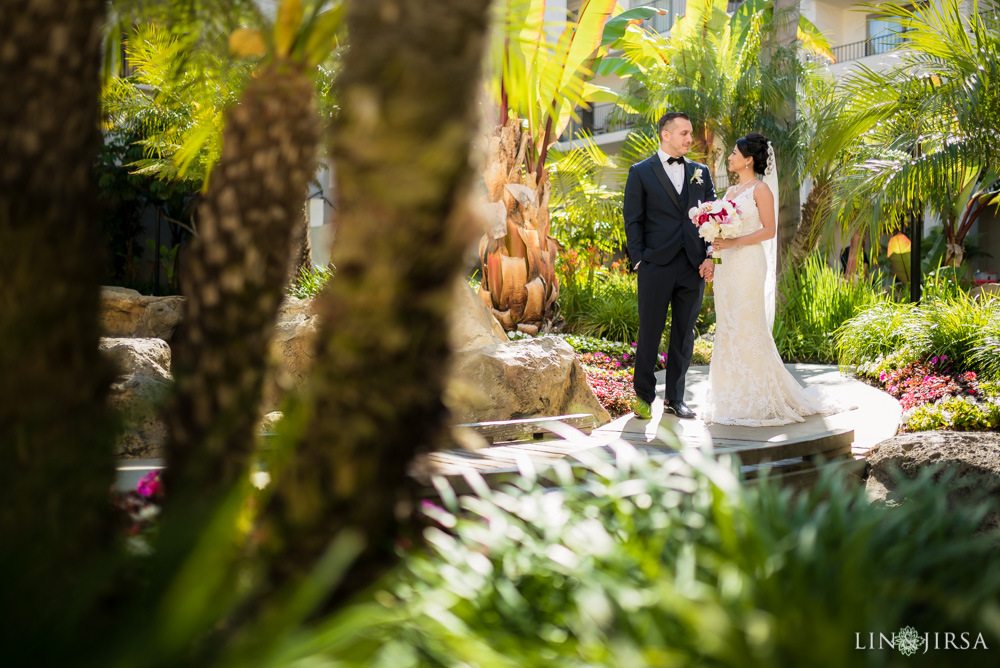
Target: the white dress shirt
(675, 172)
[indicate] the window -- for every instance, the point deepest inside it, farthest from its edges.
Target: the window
(885, 33)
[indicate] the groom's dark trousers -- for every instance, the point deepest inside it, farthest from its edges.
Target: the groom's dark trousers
(665, 244)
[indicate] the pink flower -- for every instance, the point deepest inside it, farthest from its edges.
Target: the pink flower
(149, 485)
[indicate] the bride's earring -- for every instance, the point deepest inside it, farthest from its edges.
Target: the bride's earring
(747, 165)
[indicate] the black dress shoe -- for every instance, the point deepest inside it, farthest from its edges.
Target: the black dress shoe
(679, 409)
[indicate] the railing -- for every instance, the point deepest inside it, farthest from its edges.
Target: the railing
(868, 47)
(600, 119)
(673, 9)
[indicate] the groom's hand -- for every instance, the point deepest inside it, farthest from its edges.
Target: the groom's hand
(707, 270)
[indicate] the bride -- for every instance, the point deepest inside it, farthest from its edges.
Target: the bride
(748, 382)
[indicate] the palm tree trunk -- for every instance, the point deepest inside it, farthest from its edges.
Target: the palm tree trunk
(55, 431)
(815, 211)
(234, 282)
(786, 13)
(401, 149)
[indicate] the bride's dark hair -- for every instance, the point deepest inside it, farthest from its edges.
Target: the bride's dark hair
(754, 145)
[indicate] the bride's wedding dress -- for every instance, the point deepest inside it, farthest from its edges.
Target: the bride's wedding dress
(748, 382)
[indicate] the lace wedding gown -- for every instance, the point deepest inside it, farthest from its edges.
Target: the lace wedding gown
(748, 382)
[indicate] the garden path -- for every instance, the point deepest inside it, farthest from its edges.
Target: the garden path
(876, 419)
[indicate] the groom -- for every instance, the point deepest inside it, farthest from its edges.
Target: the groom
(669, 257)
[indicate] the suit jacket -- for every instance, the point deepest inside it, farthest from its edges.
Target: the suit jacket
(657, 226)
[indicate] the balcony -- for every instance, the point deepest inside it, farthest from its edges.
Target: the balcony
(602, 118)
(872, 46)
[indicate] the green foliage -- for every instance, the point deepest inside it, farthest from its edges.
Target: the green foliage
(954, 413)
(967, 330)
(176, 107)
(612, 312)
(956, 327)
(817, 301)
(311, 281)
(920, 133)
(882, 331)
(586, 213)
(633, 560)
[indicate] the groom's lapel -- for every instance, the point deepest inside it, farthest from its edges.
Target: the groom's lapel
(688, 177)
(661, 175)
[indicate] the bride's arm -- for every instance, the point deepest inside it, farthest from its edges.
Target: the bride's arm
(765, 208)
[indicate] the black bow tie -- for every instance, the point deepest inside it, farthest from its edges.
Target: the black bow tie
(674, 161)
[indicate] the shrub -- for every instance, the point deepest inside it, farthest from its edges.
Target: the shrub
(879, 331)
(955, 413)
(613, 311)
(634, 560)
(957, 327)
(817, 301)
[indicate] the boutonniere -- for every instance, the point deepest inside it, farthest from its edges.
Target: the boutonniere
(697, 177)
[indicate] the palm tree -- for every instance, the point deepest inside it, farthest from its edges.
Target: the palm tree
(537, 86)
(401, 149)
(921, 134)
(55, 426)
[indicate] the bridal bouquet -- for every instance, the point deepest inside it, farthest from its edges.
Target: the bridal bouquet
(720, 218)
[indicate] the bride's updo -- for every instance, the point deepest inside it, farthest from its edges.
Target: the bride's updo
(754, 145)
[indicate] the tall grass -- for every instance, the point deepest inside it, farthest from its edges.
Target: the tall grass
(817, 302)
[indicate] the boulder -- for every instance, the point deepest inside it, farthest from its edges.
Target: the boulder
(472, 323)
(126, 313)
(293, 349)
(518, 379)
(968, 463)
(138, 392)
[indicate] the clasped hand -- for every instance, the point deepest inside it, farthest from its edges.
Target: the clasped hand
(707, 270)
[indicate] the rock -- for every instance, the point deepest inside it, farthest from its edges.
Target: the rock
(293, 349)
(146, 357)
(138, 393)
(973, 458)
(518, 379)
(472, 324)
(126, 313)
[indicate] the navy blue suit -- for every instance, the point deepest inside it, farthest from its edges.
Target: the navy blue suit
(660, 234)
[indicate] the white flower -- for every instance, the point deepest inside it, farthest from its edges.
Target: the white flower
(697, 177)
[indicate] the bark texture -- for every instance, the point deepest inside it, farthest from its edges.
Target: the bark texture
(816, 210)
(401, 150)
(517, 255)
(55, 440)
(235, 279)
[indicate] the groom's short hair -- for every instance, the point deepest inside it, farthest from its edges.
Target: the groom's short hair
(669, 116)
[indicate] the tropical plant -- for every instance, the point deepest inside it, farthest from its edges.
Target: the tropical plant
(536, 85)
(727, 72)
(817, 301)
(233, 575)
(919, 134)
(585, 211)
(632, 559)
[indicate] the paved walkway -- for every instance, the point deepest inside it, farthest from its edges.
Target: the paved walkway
(876, 418)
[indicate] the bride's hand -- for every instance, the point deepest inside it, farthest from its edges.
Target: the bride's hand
(723, 244)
